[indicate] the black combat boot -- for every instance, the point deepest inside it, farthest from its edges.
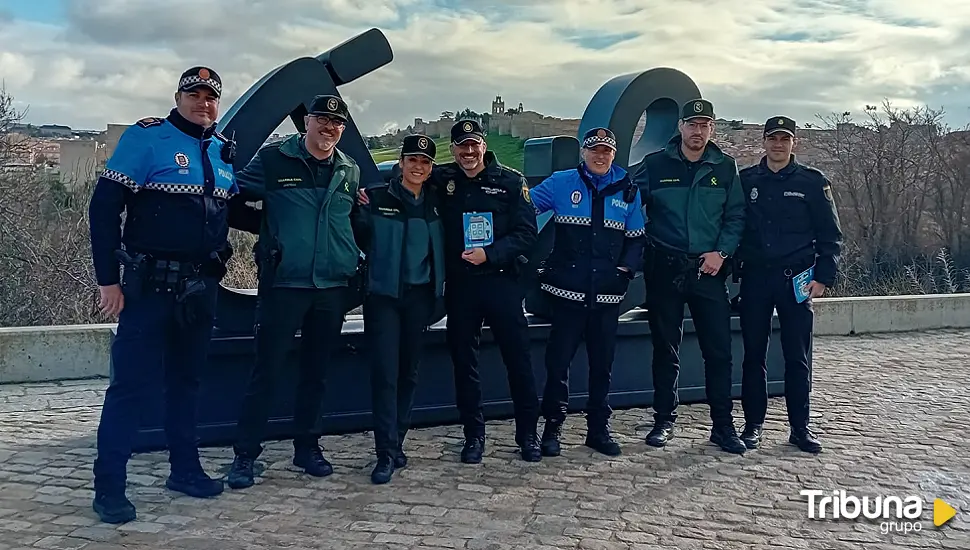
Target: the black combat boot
(472, 450)
(661, 433)
(310, 458)
(751, 436)
(400, 459)
(383, 470)
(599, 439)
(112, 506)
(241, 473)
(193, 481)
(804, 439)
(529, 446)
(551, 434)
(726, 437)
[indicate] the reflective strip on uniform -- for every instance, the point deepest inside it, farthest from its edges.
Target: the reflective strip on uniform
(580, 296)
(573, 220)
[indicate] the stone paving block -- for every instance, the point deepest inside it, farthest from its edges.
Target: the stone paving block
(890, 410)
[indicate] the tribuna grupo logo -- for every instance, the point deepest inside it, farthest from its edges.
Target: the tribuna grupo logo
(895, 514)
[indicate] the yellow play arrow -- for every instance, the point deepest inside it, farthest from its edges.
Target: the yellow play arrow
(942, 512)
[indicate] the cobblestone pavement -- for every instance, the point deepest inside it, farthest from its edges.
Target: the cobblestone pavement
(891, 410)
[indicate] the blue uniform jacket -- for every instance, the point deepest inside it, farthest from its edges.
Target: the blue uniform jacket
(169, 176)
(599, 228)
(791, 220)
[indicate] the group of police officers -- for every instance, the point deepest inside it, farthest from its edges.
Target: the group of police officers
(686, 218)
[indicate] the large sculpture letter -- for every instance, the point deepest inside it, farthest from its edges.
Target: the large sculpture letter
(286, 92)
(617, 105)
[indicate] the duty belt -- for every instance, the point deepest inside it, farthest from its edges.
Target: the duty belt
(789, 269)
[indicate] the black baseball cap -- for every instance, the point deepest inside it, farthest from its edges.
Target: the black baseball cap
(697, 108)
(780, 124)
(599, 136)
(418, 144)
(200, 76)
(464, 130)
(329, 105)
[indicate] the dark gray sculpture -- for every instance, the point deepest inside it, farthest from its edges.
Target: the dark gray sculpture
(287, 90)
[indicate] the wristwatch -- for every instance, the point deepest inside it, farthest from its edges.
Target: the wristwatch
(722, 255)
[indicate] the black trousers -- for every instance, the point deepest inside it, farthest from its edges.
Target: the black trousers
(394, 329)
(152, 352)
(763, 291)
(469, 301)
(710, 309)
(571, 324)
(280, 312)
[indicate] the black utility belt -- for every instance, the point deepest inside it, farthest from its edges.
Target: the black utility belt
(788, 269)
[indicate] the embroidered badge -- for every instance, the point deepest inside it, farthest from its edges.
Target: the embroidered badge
(576, 197)
(332, 104)
(182, 160)
(754, 193)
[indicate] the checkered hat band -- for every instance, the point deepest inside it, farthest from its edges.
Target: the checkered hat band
(596, 140)
(194, 79)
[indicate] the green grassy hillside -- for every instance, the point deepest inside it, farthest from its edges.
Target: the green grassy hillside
(508, 149)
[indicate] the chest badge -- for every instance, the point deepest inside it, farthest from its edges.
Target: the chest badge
(450, 187)
(182, 160)
(576, 197)
(713, 181)
(754, 193)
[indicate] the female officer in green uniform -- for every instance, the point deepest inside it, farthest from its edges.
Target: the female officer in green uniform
(404, 246)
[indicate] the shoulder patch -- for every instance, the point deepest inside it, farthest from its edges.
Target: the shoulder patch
(813, 171)
(525, 193)
(150, 121)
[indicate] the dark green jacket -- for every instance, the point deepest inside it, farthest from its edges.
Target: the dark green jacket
(306, 238)
(692, 215)
(383, 234)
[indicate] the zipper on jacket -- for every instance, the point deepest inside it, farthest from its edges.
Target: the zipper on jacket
(316, 229)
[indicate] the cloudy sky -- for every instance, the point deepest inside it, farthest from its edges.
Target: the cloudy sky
(86, 63)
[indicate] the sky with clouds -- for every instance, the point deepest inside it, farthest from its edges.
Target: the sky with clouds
(86, 63)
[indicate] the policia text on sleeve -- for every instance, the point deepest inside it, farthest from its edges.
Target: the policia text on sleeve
(172, 176)
(307, 256)
(792, 225)
(482, 285)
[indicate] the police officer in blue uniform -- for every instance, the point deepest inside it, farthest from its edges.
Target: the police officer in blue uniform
(597, 250)
(173, 177)
(792, 225)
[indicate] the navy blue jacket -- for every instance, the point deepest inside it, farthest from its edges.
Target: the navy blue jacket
(599, 228)
(169, 177)
(791, 220)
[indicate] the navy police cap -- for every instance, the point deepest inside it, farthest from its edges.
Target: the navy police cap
(780, 124)
(418, 145)
(200, 76)
(464, 130)
(599, 136)
(329, 105)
